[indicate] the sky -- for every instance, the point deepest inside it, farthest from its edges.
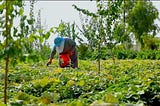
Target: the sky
(52, 12)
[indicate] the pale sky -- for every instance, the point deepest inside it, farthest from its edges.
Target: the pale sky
(52, 12)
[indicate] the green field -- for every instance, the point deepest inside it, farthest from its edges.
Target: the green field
(125, 82)
(117, 44)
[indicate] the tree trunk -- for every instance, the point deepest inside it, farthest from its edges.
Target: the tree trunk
(113, 56)
(99, 62)
(124, 12)
(7, 58)
(138, 46)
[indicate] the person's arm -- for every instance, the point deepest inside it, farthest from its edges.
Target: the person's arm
(53, 52)
(52, 55)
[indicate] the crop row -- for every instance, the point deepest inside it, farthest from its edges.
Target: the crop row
(126, 81)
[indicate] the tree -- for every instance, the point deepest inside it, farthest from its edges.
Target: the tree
(7, 56)
(141, 18)
(36, 47)
(16, 37)
(9, 43)
(67, 30)
(122, 31)
(99, 30)
(31, 14)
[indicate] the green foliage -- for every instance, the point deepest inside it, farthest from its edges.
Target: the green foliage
(98, 26)
(127, 81)
(108, 98)
(119, 53)
(67, 30)
(22, 43)
(51, 97)
(137, 23)
(151, 43)
(84, 52)
(84, 11)
(132, 54)
(17, 39)
(22, 96)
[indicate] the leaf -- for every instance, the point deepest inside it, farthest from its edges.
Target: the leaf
(110, 98)
(51, 30)
(31, 38)
(2, 104)
(21, 11)
(47, 35)
(15, 31)
(81, 83)
(41, 39)
(2, 7)
(24, 18)
(30, 22)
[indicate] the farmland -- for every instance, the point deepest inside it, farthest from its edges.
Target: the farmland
(118, 48)
(125, 82)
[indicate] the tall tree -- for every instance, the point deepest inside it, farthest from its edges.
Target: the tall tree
(9, 9)
(16, 37)
(41, 44)
(121, 32)
(141, 18)
(32, 2)
(7, 56)
(99, 31)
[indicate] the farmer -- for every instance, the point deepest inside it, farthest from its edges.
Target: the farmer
(66, 48)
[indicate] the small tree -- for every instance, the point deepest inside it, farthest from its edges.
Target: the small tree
(10, 46)
(16, 38)
(99, 31)
(67, 30)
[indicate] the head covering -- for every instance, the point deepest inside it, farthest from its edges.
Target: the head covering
(58, 41)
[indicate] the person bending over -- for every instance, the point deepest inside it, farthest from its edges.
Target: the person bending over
(66, 48)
